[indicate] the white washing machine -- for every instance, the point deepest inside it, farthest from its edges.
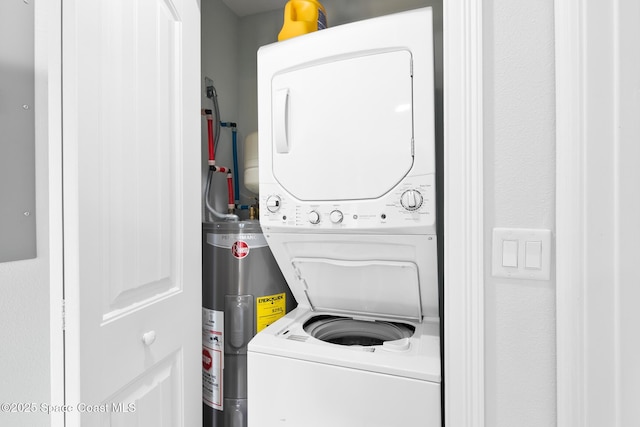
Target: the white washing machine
(347, 204)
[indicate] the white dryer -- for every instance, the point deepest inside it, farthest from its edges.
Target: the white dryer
(347, 204)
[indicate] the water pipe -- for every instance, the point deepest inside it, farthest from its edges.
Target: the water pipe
(208, 114)
(210, 209)
(234, 134)
(231, 205)
(213, 168)
(212, 94)
(236, 178)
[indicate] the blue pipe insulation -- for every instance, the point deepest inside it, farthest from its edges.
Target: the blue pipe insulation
(236, 181)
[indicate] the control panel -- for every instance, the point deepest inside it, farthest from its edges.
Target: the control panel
(409, 205)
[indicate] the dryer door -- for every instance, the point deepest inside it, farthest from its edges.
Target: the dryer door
(345, 120)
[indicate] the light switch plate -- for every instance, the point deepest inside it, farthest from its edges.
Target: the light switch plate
(522, 236)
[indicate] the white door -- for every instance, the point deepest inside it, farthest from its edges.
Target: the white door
(131, 172)
(336, 145)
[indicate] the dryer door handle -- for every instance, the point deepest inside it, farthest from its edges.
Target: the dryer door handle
(281, 120)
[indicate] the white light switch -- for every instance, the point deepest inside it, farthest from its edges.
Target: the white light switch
(533, 255)
(509, 253)
(521, 253)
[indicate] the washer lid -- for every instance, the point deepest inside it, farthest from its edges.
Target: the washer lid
(370, 288)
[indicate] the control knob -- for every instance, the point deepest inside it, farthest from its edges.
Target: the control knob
(273, 203)
(314, 217)
(411, 200)
(336, 216)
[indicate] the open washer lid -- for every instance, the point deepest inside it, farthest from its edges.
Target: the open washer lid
(368, 288)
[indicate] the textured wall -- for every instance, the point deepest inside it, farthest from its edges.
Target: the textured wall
(519, 126)
(219, 62)
(24, 285)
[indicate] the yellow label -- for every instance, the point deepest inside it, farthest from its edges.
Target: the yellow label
(269, 308)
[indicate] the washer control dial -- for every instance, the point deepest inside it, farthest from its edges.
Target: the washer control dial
(336, 216)
(314, 217)
(411, 200)
(274, 203)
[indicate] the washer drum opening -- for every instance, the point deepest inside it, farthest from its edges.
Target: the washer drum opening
(348, 331)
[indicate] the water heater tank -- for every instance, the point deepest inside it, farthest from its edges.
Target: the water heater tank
(243, 291)
(251, 162)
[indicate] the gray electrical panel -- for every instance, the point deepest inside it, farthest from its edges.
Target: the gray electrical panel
(17, 132)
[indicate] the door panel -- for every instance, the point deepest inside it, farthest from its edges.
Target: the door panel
(337, 145)
(156, 396)
(136, 203)
(131, 150)
(138, 131)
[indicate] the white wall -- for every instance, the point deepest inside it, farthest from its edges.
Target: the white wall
(24, 285)
(519, 125)
(219, 62)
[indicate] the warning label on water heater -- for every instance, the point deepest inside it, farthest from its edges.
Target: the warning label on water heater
(269, 308)
(212, 355)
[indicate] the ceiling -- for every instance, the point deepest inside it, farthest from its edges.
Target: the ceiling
(249, 7)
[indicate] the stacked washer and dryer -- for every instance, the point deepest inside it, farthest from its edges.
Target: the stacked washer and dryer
(348, 203)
